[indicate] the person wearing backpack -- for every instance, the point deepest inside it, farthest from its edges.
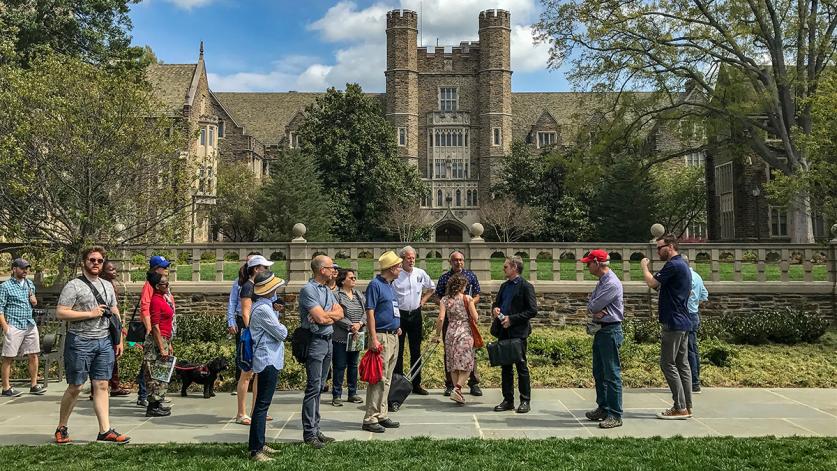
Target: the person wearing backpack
(267, 358)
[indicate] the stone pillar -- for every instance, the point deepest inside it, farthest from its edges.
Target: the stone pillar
(832, 275)
(479, 255)
(299, 261)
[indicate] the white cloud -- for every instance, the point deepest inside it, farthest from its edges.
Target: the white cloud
(362, 55)
(189, 4)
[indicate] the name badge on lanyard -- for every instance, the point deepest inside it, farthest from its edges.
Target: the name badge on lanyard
(395, 311)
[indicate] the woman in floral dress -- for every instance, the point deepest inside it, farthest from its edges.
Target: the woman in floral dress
(459, 342)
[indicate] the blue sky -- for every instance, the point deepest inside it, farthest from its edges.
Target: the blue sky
(280, 45)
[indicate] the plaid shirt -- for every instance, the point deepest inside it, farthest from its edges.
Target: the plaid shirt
(14, 303)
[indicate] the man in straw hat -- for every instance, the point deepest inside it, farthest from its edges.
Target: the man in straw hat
(384, 325)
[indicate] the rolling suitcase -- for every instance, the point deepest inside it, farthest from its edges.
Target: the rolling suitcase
(401, 386)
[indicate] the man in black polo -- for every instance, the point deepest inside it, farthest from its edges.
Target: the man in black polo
(512, 310)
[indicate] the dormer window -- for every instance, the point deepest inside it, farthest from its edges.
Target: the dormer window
(546, 138)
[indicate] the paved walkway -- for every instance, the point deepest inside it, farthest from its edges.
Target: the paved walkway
(555, 413)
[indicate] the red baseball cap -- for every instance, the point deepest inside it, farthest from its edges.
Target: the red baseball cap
(597, 255)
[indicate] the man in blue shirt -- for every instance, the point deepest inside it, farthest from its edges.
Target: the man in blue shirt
(383, 321)
(318, 310)
(457, 265)
(697, 295)
(674, 282)
(607, 311)
(17, 297)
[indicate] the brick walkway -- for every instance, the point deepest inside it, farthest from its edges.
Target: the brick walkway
(555, 413)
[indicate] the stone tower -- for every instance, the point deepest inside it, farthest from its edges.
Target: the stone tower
(402, 81)
(494, 95)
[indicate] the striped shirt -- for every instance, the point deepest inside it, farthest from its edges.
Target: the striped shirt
(14, 302)
(268, 336)
(354, 311)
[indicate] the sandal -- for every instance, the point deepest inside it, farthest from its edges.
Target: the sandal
(243, 420)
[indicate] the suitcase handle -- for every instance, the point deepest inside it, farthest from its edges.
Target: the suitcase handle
(420, 363)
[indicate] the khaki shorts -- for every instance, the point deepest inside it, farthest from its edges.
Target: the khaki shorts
(21, 342)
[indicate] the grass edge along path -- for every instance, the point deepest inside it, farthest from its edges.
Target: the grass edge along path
(722, 453)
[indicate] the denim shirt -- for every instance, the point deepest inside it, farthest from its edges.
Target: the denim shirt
(268, 336)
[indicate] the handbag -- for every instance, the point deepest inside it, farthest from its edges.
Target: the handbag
(114, 323)
(505, 352)
(136, 328)
(300, 340)
(475, 333)
(371, 367)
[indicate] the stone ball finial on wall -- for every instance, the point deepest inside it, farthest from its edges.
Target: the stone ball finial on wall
(477, 230)
(834, 231)
(657, 230)
(299, 231)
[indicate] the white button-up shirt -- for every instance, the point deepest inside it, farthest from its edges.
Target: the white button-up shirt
(409, 286)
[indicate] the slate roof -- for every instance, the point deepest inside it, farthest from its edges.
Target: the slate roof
(171, 83)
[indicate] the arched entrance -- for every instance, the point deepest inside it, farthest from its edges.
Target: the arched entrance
(449, 232)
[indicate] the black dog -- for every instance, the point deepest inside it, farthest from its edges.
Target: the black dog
(201, 374)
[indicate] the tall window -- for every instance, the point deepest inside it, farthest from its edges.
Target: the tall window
(545, 138)
(723, 190)
(402, 137)
(293, 140)
(221, 126)
(458, 198)
(439, 198)
(203, 136)
(778, 221)
(497, 137)
(448, 99)
(211, 136)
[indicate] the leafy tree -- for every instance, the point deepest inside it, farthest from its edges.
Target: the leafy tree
(680, 196)
(622, 204)
(509, 220)
(354, 148)
(83, 162)
(95, 31)
(777, 49)
(294, 193)
(234, 213)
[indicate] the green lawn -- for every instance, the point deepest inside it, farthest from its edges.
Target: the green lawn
(724, 453)
(366, 267)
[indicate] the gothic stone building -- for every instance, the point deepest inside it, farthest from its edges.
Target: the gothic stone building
(453, 110)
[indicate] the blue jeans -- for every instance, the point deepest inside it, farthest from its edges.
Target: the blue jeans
(142, 391)
(264, 396)
(607, 370)
(319, 358)
(694, 356)
(344, 362)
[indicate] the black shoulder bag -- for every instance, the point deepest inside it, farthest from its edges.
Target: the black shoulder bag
(136, 328)
(114, 324)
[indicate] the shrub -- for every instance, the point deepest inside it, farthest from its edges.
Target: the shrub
(789, 325)
(642, 330)
(713, 329)
(717, 353)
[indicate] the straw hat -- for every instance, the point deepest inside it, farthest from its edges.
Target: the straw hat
(266, 283)
(388, 260)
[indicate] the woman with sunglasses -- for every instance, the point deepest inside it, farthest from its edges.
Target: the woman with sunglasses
(345, 360)
(157, 347)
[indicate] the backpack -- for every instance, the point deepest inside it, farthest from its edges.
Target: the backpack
(299, 343)
(245, 345)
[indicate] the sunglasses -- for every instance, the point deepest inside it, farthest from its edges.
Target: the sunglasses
(351, 278)
(96, 261)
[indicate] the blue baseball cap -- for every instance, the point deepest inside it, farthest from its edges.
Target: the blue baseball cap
(158, 261)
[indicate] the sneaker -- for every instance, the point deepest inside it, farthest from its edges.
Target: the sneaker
(112, 436)
(37, 390)
(155, 410)
(674, 414)
(388, 423)
(374, 428)
(337, 402)
(260, 457)
(62, 435)
(314, 443)
(448, 391)
(610, 422)
(234, 393)
(142, 402)
(695, 389)
(11, 392)
(355, 399)
(394, 407)
(596, 415)
(268, 450)
(324, 438)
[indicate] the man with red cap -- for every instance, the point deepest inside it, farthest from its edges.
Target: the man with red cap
(607, 312)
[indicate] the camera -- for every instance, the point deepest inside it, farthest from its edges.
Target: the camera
(107, 313)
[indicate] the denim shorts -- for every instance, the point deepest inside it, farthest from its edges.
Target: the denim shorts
(88, 357)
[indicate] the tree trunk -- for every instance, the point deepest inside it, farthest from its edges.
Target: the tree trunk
(799, 215)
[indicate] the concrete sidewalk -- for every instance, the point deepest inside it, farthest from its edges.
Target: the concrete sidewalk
(555, 413)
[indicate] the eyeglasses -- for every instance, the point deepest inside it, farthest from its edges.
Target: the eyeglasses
(96, 261)
(333, 267)
(351, 278)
